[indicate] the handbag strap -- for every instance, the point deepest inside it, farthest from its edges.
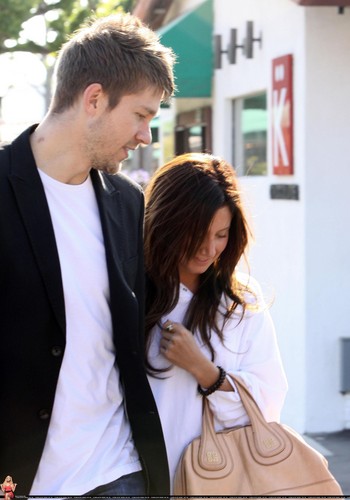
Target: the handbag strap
(268, 441)
(253, 411)
(211, 455)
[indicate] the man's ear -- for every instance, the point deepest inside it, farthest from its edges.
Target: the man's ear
(93, 98)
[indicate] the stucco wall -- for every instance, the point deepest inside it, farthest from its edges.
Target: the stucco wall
(297, 262)
(327, 218)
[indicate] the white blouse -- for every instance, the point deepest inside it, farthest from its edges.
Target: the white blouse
(249, 350)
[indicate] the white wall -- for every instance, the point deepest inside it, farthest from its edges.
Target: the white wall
(286, 256)
(327, 222)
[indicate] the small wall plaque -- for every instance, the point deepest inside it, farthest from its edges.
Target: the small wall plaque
(284, 192)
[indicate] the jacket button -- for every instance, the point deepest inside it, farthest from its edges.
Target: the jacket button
(56, 351)
(44, 414)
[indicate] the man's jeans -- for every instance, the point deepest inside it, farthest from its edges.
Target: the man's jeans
(129, 485)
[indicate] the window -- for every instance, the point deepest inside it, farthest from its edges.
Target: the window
(193, 130)
(196, 138)
(190, 139)
(250, 135)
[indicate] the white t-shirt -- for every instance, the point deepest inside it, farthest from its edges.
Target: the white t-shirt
(89, 439)
(250, 350)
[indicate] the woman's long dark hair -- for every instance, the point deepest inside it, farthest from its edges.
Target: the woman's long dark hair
(181, 200)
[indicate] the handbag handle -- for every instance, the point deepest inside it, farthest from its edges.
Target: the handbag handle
(267, 442)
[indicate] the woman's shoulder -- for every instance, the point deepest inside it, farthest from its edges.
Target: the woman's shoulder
(251, 289)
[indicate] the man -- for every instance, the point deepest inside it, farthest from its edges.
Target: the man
(78, 415)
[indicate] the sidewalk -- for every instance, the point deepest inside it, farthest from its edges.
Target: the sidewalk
(336, 448)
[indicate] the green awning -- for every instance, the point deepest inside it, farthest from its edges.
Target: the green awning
(190, 37)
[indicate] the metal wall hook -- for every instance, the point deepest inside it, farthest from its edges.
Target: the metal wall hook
(217, 51)
(233, 46)
(231, 49)
(249, 40)
(247, 47)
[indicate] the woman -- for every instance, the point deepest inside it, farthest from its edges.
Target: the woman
(8, 487)
(204, 320)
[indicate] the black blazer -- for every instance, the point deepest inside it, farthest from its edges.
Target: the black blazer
(32, 315)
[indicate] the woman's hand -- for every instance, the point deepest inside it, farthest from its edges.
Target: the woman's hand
(178, 346)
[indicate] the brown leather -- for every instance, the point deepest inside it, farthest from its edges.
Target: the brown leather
(264, 458)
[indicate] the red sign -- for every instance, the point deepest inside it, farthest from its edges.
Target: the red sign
(282, 115)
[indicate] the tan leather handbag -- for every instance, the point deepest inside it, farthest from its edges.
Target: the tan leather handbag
(259, 459)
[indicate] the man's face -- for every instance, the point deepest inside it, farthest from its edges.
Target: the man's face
(114, 132)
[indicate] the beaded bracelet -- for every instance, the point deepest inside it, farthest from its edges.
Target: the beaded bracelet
(215, 386)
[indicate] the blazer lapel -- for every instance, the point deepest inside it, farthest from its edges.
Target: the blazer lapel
(123, 302)
(108, 199)
(32, 204)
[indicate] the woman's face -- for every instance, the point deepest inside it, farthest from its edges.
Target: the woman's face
(212, 246)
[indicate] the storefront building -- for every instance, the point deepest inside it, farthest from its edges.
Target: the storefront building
(279, 110)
